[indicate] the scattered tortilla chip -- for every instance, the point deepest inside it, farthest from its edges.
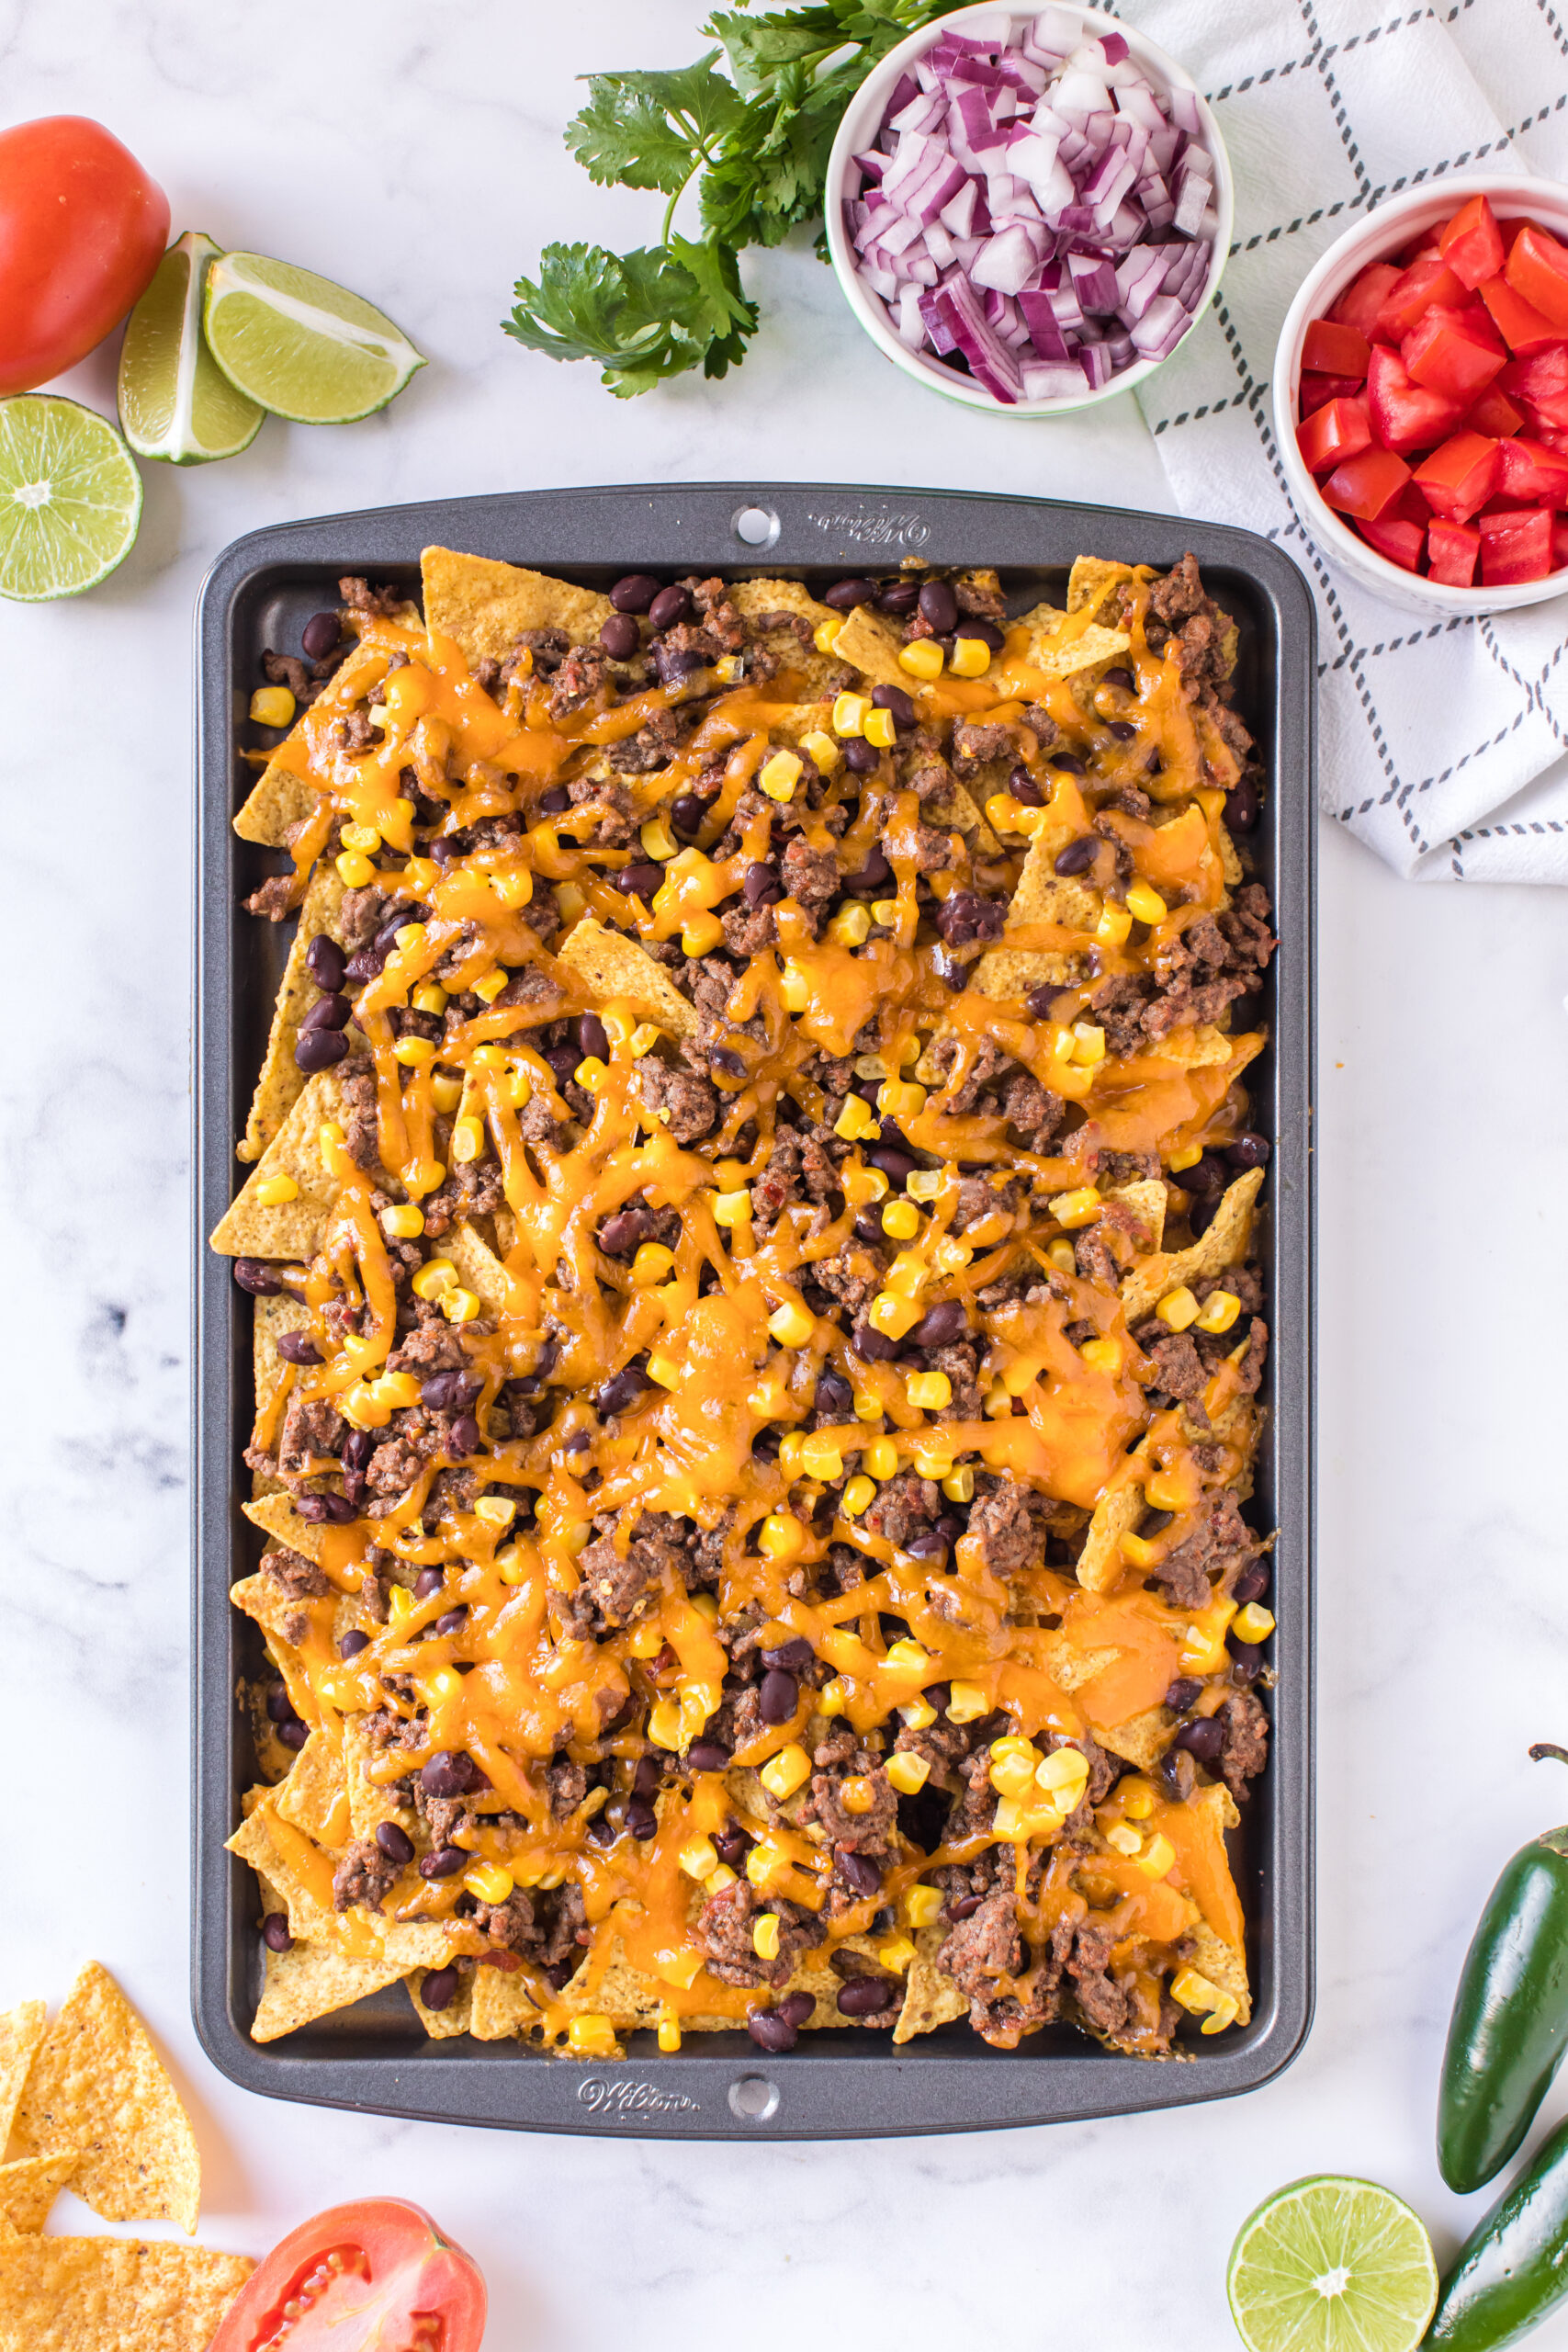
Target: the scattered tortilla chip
(29, 2188)
(278, 800)
(1091, 580)
(311, 1980)
(98, 2085)
(929, 1998)
(442, 2025)
(314, 1796)
(1224, 1244)
(291, 1229)
(486, 607)
(21, 2030)
(1116, 1514)
(113, 2295)
(870, 643)
(615, 967)
(479, 1267)
(956, 809)
(282, 1081)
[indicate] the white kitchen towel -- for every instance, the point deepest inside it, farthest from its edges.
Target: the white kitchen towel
(1442, 745)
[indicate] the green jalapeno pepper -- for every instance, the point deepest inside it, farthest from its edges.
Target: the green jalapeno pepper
(1513, 2269)
(1509, 2027)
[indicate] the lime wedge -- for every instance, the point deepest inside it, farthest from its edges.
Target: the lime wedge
(300, 346)
(173, 402)
(70, 498)
(1330, 2265)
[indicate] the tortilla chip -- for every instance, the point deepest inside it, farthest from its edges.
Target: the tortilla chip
(499, 2005)
(1064, 657)
(98, 2085)
(278, 800)
(276, 1517)
(1224, 1244)
(370, 1802)
(1116, 1514)
(455, 2018)
(113, 2294)
(486, 607)
(755, 598)
(615, 967)
(479, 1267)
(1091, 580)
(788, 722)
(314, 1796)
(404, 1943)
(1141, 1740)
(21, 2030)
(1230, 863)
(1148, 1199)
(282, 1081)
(29, 2188)
(1223, 1966)
(273, 1316)
(1042, 620)
(1068, 1666)
(872, 644)
(929, 1998)
(956, 809)
(289, 1228)
(312, 1979)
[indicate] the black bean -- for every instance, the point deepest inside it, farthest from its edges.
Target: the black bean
(1248, 1151)
(1203, 1737)
(726, 1059)
(834, 1393)
(1155, 1522)
(358, 1448)
(772, 2030)
(860, 757)
(394, 1842)
(762, 885)
(399, 915)
(1079, 855)
(797, 2007)
(1154, 764)
(964, 1909)
(321, 634)
(274, 1932)
(897, 1165)
(620, 636)
(326, 1508)
(622, 1388)
(898, 596)
(320, 1048)
(635, 594)
(293, 1734)
(465, 1434)
(1022, 786)
(778, 1697)
(1119, 677)
(1246, 1663)
(279, 1706)
(641, 880)
(987, 631)
(428, 1581)
(938, 606)
(733, 1844)
(445, 1862)
(1069, 761)
(439, 1989)
(1251, 1585)
(1043, 1002)
(327, 1013)
(449, 1773)
(845, 594)
(325, 960)
(454, 1621)
(687, 812)
(365, 963)
(868, 1226)
(672, 667)
(298, 1347)
(1209, 1174)
(670, 608)
(858, 1870)
(864, 1996)
(927, 1545)
(563, 1061)
(439, 1393)
(1243, 807)
(647, 1775)
(1123, 728)
(965, 916)
(1182, 1694)
(874, 876)
(940, 1324)
(255, 1276)
(641, 1819)
(592, 1037)
(872, 1344)
(894, 699)
(791, 1657)
(578, 1442)
(353, 1641)
(707, 1756)
(938, 1695)
(553, 802)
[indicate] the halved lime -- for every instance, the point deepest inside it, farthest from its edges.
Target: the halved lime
(70, 498)
(300, 346)
(174, 401)
(1332, 2265)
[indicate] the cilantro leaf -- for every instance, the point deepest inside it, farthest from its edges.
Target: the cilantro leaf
(641, 316)
(651, 130)
(730, 319)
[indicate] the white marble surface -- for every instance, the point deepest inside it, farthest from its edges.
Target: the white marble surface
(415, 153)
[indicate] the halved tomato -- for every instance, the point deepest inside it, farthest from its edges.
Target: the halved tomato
(377, 2276)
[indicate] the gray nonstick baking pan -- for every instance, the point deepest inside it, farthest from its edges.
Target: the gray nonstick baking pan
(835, 2083)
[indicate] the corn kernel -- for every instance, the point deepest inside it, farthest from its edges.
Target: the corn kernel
(1013, 1776)
(780, 1536)
(1138, 1803)
(354, 869)
(923, 659)
(658, 840)
(907, 1772)
(900, 1098)
(1088, 1042)
(398, 1390)
(434, 1276)
(652, 1263)
(850, 714)
(959, 1485)
(1146, 903)
(272, 706)
(1126, 1841)
(273, 1191)
(825, 635)
(857, 1795)
(664, 1723)
(822, 750)
(789, 1454)
(1063, 1775)
(918, 1714)
(468, 1141)
(1203, 1999)
(705, 1606)
(497, 1510)
(971, 657)
(429, 997)
(1061, 1253)
(360, 1408)
(855, 1497)
(820, 1458)
(670, 2027)
(921, 1905)
(591, 2037)
(459, 1306)
(1103, 1356)
(791, 1325)
(446, 1090)
(833, 1697)
(1138, 1551)
(365, 837)
(413, 1052)
(901, 1219)
(787, 1771)
(932, 1460)
(702, 934)
(729, 669)
(906, 1657)
(1218, 1311)
(732, 1208)
(489, 987)
(779, 774)
(1157, 1857)
(1252, 1623)
(885, 913)
(515, 890)
(488, 1883)
(794, 987)
(1178, 1309)
(928, 1392)
(967, 1703)
(1075, 1208)
(1187, 1157)
(896, 1954)
(867, 1407)
(665, 1369)
(590, 1074)
(851, 927)
(1172, 1490)
(856, 1119)
(404, 1221)
(891, 1315)
(879, 729)
(1113, 926)
(698, 1702)
(880, 1457)
(571, 900)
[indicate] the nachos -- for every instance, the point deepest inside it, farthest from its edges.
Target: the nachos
(757, 1332)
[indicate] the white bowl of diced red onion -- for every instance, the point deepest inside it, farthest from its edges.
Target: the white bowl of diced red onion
(1027, 209)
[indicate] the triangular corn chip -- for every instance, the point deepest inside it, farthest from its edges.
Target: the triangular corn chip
(253, 1227)
(113, 2294)
(613, 966)
(98, 2085)
(486, 607)
(30, 2187)
(282, 1081)
(21, 2030)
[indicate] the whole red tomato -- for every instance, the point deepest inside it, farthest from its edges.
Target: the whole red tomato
(82, 229)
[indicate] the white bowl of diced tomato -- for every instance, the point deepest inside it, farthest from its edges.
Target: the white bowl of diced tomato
(1421, 397)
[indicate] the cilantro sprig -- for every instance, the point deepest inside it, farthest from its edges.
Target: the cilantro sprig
(756, 143)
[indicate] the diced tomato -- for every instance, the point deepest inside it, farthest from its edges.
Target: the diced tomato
(1460, 477)
(1334, 349)
(1538, 268)
(1529, 474)
(1456, 353)
(1452, 552)
(1559, 541)
(1358, 306)
(1514, 545)
(1540, 385)
(1522, 327)
(1495, 414)
(1317, 391)
(1416, 289)
(1402, 543)
(1366, 485)
(1472, 243)
(1406, 415)
(1331, 434)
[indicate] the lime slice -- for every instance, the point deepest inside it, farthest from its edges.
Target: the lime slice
(1330, 2265)
(173, 402)
(300, 346)
(70, 498)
